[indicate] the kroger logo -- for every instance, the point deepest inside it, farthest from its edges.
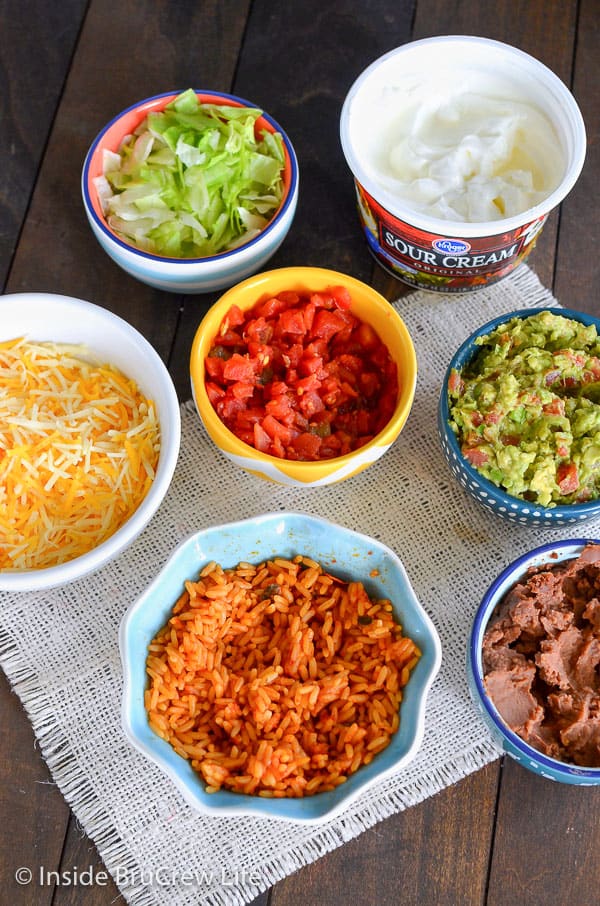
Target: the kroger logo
(451, 246)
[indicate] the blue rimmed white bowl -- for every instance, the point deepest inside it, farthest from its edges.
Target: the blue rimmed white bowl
(186, 275)
(485, 492)
(548, 554)
(349, 555)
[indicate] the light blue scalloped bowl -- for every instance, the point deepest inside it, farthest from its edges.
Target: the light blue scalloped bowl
(513, 745)
(349, 555)
(485, 492)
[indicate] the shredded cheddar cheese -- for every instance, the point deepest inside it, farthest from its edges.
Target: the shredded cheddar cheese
(79, 446)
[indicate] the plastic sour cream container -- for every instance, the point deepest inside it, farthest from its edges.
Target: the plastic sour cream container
(460, 147)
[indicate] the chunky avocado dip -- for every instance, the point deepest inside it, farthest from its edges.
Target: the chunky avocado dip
(526, 409)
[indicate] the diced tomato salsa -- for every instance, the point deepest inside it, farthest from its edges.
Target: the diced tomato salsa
(298, 376)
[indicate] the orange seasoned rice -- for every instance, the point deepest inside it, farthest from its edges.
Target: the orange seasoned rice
(277, 679)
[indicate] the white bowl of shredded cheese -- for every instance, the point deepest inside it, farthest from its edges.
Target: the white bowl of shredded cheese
(89, 438)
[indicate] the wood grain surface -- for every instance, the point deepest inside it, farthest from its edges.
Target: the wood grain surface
(501, 836)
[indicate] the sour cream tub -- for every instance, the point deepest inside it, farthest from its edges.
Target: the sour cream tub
(460, 147)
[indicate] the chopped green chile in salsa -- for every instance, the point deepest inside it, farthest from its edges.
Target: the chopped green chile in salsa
(526, 409)
(299, 377)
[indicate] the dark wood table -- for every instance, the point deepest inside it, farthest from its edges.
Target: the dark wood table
(502, 835)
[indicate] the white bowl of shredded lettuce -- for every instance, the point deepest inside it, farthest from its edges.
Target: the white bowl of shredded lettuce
(191, 192)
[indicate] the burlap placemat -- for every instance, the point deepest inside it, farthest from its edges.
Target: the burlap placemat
(60, 652)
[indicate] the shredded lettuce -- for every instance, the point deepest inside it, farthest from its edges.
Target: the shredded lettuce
(193, 180)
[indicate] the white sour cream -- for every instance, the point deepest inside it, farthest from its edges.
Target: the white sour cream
(470, 150)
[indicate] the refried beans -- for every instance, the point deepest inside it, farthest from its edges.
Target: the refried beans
(541, 658)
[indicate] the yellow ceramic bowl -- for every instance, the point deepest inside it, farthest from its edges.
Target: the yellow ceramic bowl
(369, 306)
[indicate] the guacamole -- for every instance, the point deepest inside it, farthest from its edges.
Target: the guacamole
(526, 409)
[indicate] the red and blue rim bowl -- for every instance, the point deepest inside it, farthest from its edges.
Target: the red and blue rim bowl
(208, 273)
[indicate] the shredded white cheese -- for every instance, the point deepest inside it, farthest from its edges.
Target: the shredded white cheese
(79, 447)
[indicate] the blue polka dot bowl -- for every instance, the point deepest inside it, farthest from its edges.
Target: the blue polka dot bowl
(512, 744)
(485, 492)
